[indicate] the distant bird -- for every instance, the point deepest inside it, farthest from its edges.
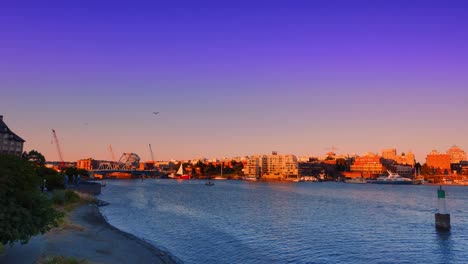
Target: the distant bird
(155, 113)
(85, 124)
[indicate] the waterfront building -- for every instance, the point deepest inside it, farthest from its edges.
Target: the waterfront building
(272, 166)
(87, 164)
(389, 154)
(370, 164)
(390, 157)
(438, 160)
(404, 170)
(406, 159)
(255, 165)
(456, 154)
(309, 168)
(10, 143)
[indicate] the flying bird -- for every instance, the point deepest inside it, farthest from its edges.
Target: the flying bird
(155, 113)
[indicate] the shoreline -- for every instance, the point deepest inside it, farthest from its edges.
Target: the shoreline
(88, 236)
(163, 255)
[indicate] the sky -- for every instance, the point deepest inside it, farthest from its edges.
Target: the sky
(234, 78)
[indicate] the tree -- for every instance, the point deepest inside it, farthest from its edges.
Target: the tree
(341, 164)
(24, 210)
(35, 157)
(426, 170)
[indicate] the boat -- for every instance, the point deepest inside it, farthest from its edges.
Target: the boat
(181, 173)
(392, 178)
(209, 183)
(250, 178)
(359, 180)
(308, 179)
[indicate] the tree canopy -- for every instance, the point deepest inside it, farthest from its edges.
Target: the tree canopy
(24, 210)
(35, 157)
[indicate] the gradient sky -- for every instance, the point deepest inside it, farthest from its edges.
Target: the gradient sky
(233, 78)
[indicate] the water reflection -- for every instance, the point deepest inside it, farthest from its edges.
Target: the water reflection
(445, 245)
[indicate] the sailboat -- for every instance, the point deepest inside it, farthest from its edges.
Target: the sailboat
(181, 173)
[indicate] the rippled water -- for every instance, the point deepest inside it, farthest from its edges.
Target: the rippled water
(252, 222)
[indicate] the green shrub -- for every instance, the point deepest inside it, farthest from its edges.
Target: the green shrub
(24, 210)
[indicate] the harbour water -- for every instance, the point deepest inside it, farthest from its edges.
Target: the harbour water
(253, 222)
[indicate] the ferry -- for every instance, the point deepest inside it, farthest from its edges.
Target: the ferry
(392, 178)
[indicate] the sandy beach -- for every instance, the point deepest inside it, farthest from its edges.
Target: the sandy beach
(87, 236)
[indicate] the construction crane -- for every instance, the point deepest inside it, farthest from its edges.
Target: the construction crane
(62, 163)
(152, 156)
(112, 153)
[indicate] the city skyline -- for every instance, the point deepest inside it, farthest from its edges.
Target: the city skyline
(235, 79)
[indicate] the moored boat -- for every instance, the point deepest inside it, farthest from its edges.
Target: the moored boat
(359, 180)
(392, 178)
(181, 173)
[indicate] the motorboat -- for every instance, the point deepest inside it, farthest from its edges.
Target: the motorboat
(209, 183)
(392, 178)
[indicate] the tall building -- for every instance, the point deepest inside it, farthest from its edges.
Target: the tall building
(456, 154)
(255, 165)
(438, 160)
(10, 143)
(272, 166)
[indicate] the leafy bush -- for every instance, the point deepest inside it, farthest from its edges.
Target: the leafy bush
(24, 210)
(53, 178)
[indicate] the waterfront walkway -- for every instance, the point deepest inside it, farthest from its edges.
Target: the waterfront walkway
(90, 237)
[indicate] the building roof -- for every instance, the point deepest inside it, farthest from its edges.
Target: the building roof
(5, 130)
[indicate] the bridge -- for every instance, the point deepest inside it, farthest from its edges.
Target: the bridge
(127, 164)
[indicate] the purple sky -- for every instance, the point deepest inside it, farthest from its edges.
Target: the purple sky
(234, 78)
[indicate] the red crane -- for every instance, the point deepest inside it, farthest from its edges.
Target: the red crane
(62, 163)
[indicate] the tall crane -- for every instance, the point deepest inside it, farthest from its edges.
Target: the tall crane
(152, 156)
(62, 163)
(112, 153)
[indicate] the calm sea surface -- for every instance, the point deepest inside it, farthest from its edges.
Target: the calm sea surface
(252, 222)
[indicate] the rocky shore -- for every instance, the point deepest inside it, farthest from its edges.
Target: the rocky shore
(87, 236)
